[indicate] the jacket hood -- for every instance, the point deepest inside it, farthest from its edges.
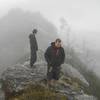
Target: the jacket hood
(53, 44)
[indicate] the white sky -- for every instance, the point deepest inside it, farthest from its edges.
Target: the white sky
(80, 14)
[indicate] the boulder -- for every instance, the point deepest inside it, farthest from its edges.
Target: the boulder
(18, 76)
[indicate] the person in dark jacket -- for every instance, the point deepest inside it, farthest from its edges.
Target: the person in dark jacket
(33, 47)
(54, 56)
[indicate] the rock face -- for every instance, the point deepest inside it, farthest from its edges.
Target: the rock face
(20, 75)
(16, 78)
(70, 71)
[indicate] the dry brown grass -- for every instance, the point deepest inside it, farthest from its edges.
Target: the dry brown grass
(38, 92)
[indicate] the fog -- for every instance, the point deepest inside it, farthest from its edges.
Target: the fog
(82, 16)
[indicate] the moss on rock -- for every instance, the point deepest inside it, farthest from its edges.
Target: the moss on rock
(38, 92)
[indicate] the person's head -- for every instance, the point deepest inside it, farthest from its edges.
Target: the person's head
(58, 43)
(34, 31)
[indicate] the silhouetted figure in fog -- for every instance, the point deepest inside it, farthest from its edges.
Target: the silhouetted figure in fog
(33, 47)
(54, 56)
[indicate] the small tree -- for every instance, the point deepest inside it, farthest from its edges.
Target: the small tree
(65, 31)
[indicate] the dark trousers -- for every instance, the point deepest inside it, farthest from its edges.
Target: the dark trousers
(53, 72)
(33, 58)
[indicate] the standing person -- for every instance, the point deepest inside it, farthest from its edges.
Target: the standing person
(54, 56)
(33, 47)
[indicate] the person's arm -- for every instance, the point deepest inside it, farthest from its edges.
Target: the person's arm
(30, 39)
(47, 55)
(29, 36)
(36, 44)
(63, 56)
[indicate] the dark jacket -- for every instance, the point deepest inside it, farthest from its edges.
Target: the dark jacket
(33, 42)
(54, 56)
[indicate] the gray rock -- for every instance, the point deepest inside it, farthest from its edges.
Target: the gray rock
(85, 97)
(19, 76)
(70, 71)
(2, 95)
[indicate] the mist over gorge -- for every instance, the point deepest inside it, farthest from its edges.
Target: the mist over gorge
(15, 28)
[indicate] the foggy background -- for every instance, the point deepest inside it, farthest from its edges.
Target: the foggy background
(79, 18)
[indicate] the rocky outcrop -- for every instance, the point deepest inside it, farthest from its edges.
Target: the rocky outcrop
(17, 78)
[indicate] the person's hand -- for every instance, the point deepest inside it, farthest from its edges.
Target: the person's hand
(49, 64)
(50, 69)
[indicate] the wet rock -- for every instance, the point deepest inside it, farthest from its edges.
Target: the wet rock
(18, 76)
(70, 71)
(85, 97)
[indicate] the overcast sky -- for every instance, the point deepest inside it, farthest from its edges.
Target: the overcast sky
(83, 16)
(80, 14)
